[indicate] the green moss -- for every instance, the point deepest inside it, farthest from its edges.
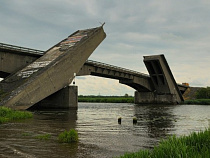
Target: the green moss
(193, 146)
(7, 115)
(68, 136)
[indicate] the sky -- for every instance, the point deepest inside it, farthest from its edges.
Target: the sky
(178, 29)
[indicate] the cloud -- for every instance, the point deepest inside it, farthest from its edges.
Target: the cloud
(101, 86)
(178, 29)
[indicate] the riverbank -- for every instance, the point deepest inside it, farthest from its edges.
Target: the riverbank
(130, 99)
(194, 145)
(198, 102)
(8, 115)
(106, 99)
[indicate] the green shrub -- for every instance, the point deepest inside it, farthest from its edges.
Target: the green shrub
(68, 136)
(7, 114)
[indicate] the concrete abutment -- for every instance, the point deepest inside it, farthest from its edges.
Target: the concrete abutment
(154, 98)
(66, 98)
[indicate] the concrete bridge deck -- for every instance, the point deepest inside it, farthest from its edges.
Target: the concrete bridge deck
(48, 74)
(54, 69)
(20, 57)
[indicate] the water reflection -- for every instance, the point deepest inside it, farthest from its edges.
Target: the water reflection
(100, 135)
(158, 120)
(19, 139)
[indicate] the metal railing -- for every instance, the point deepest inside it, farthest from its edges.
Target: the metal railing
(94, 63)
(108, 66)
(21, 49)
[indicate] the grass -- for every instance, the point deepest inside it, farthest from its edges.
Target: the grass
(8, 115)
(43, 137)
(196, 145)
(68, 136)
(198, 101)
(106, 99)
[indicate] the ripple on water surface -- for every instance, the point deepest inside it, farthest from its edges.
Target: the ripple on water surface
(100, 135)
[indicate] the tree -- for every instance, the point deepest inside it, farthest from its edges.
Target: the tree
(203, 93)
(126, 95)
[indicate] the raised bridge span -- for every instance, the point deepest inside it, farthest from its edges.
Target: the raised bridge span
(21, 56)
(33, 75)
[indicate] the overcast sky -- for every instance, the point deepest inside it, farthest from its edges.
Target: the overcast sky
(178, 29)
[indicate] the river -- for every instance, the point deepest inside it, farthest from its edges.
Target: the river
(100, 135)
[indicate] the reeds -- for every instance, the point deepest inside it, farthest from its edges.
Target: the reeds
(8, 115)
(196, 145)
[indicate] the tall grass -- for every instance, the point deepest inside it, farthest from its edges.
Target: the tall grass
(196, 145)
(7, 115)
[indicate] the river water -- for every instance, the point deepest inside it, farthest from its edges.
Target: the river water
(100, 135)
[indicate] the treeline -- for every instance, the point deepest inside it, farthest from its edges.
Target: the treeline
(202, 97)
(106, 99)
(203, 93)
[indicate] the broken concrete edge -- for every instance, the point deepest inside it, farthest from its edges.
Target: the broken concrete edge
(71, 35)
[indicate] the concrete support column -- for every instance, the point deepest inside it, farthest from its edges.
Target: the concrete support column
(153, 98)
(66, 98)
(73, 97)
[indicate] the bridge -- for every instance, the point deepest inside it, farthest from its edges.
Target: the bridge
(19, 64)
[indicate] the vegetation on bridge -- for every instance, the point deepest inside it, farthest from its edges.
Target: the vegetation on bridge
(8, 115)
(195, 145)
(106, 99)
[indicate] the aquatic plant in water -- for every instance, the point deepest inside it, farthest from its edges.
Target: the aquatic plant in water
(68, 136)
(43, 137)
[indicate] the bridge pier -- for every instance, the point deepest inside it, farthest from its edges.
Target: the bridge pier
(154, 98)
(66, 98)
